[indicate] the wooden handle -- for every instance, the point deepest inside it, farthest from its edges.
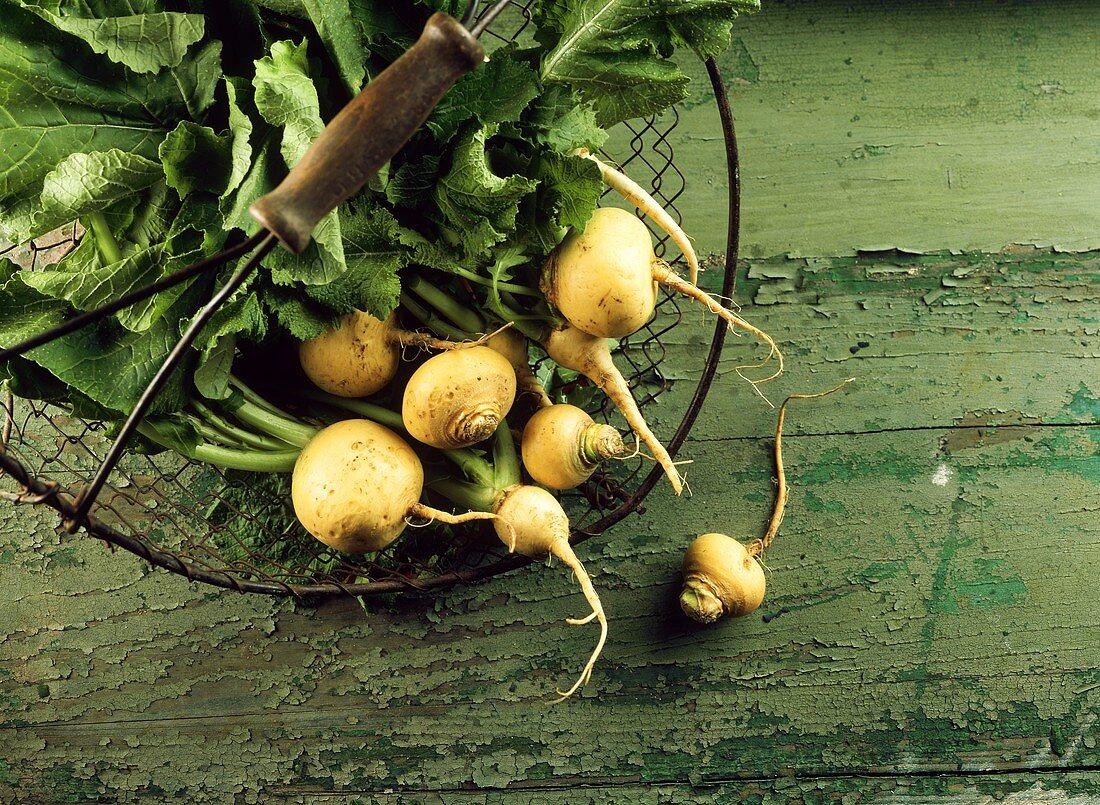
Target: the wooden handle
(368, 131)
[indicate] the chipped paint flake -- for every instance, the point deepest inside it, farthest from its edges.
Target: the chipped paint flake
(942, 475)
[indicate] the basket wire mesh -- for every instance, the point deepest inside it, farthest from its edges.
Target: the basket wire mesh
(218, 527)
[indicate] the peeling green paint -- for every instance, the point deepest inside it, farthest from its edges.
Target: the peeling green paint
(985, 588)
(815, 504)
(1085, 404)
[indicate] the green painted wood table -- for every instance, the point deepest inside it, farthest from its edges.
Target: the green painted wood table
(922, 195)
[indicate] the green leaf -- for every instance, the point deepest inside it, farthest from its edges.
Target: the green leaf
(241, 317)
(199, 213)
(264, 173)
(707, 32)
(240, 127)
(505, 259)
(85, 284)
(572, 188)
(382, 20)
(616, 53)
(292, 8)
(196, 158)
(443, 254)
(341, 36)
(497, 92)
(24, 313)
(411, 184)
(58, 99)
(110, 365)
(301, 317)
(84, 183)
(474, 200)
(374, 254)
(286, 97)
(140, 35)
(564, 123)
(197, 78)
(174, 431)
(148, 220)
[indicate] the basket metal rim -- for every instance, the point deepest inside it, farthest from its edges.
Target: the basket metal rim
(51, 494)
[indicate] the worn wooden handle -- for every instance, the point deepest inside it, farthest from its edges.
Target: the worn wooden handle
(368, 131)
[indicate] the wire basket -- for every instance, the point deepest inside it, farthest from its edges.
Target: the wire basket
(228, 528)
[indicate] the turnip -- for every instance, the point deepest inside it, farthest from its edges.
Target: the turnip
(360, 356)
(562, 446)
(356, 484)
(456, 399)
(528, 519)
(636, 195)
(603, 281)
(720, 578)
(357, 358)
(723, 576)
(589, 355)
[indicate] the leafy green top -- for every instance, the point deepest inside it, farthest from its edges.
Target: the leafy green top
(157, 123)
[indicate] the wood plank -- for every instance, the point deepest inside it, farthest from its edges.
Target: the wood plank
(939, 340)
(942, 125)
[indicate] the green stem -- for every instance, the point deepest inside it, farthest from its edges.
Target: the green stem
(472, 465)
(254, 410)
(514, 316)
(257, 399)
(212, 434)
(506, 465)
(144, 217)
(432, 321)
(449, 235)
(511, 301)
(371, 411)
(250, 461)
(246, 437)
(221, 456)
(469, 496)
(451, 308)
(293, 433)
(509, 287)
(104, 240)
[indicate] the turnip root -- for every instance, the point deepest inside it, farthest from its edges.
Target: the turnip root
(513, 346)
(360, 356)
(636, 195)
(589, 355)
(602, 280)
(456, 399)
(562, 446)
(532, 523)
(356, 484)
(528, 519)
(723, 576)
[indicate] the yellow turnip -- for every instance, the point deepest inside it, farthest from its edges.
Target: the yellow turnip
(562, 446)
(457, 399)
